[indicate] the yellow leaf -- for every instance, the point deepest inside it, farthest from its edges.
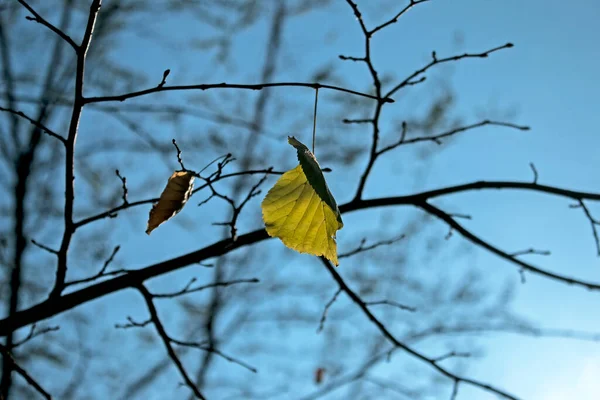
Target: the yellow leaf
(297, 214)
(172, 199)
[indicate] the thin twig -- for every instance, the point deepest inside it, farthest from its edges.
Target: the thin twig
(123, 185)
(362, 248)
(187, 288)
(34, 333)
(327, 306)
(208, 86)
(391, 303)
(40, 20)
(35, 123)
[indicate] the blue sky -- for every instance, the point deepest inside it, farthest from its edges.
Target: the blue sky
(547, 81)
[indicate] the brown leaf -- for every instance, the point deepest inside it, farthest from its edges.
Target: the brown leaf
(172, 199)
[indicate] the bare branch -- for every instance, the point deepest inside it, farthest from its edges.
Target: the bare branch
(16, 367)
(40, 20)
(436, 61)
(535, 173)
(44, 247)
(327, 306)
(167, 342)
(391, 303)
(452, 354)
(69, 225)
(179, 160)
(208, 86)
(362, 248)
(593, 223)
(530, 251)
(123, 185)
(361, 304)
(187, 289)
(204, 347)
(480, 242)
(397, 16)
(36, 124)
(47, 309)
(34, 333)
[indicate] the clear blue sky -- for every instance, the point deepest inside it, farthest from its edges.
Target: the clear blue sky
(548, 81)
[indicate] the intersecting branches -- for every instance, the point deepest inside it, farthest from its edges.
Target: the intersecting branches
(102, 273)
(215, 177)
(16, 367)
(69, 224)
(49, 308)
(235, 209)
(433, 362)
(167, 342)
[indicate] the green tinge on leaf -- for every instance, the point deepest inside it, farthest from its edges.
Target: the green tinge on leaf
(314, 175)
(301, 211)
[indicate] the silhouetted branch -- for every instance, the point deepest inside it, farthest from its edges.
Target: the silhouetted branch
(167, 342)
(205, 347)
(34, 333)
(593, 222)
(393, 20)
(530, 251)
(208, 86)
(451, 354)
(102, 272)
(52, 307)
(327, 306)
(188, 289)
(435, 61)
(480, 242)
(123, 185)
(69, 224)
(362, 248)
(431, 361)
(35, 123)
(16, 367)
(44, 247)
(535, 172)
(438, 138)
(391, 303)
(40, 20)
(133, 324)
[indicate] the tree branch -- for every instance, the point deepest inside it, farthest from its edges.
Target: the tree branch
(69, 225)
(167, 342)
(133, 278)
(40, 20)
(16, 367)
(431, 361)
(208, 86)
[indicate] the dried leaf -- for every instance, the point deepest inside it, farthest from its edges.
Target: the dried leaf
(172, 199)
